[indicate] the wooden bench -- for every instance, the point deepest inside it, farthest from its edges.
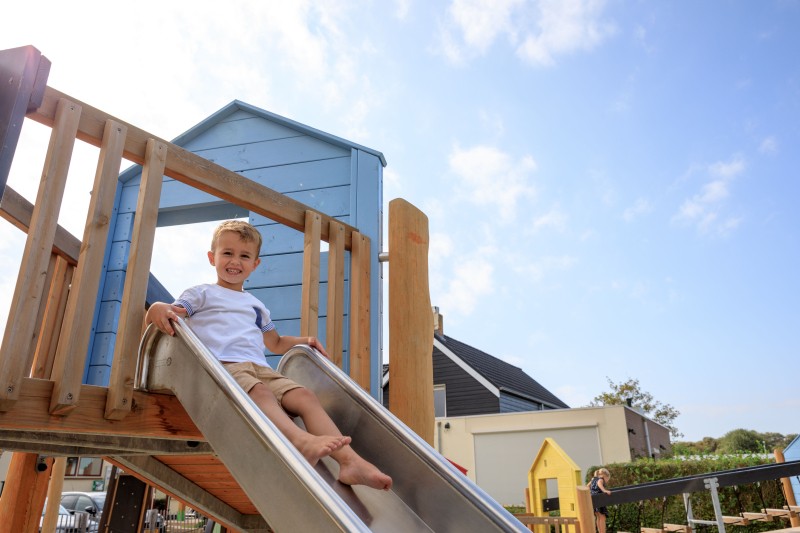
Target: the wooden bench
(780, 513)
(735, 520)
(758, 517)
(529, 519)
(677, 528)
(668, 528)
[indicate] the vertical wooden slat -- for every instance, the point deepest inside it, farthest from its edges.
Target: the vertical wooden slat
(335, 309)
(74, 342)
(53, 318)
(410, 328)
(360, 310)
(19, 337)
(123, 368)
(309, 307)
(40, 315)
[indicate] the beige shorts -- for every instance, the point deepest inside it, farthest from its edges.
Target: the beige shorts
(248, 375)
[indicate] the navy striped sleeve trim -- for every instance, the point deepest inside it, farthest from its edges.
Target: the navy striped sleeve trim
(185, 305)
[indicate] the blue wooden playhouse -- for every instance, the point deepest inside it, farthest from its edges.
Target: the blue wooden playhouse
(327, 173)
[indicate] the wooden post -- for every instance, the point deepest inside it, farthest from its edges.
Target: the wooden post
(528, 509)
(410, 330)
(24, 72)
(25, 491)
(794, 520)
(585, 509)
(54, 494)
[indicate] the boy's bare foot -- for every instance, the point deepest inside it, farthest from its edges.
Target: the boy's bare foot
(355, 470)
(315, 447)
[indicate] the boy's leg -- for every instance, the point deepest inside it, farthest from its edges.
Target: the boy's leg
(353, 469)
(313, 447)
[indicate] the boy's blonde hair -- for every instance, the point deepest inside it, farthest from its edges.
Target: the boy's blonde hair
(246, 231)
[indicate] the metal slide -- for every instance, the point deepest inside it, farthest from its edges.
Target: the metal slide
(429, 494)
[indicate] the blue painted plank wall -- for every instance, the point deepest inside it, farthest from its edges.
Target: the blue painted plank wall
(329, 174)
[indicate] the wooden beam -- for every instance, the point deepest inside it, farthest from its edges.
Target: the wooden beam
(191, 169)
(153, 415)
(70, 444)
(19, 211)
(19, 340)
(129, 331)
(73, 345)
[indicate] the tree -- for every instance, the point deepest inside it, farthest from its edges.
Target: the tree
(741, 441)
(630, 393)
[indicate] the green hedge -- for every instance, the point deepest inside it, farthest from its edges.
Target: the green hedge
(733, 500)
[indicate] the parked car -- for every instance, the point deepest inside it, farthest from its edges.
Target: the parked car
(68, 522)
(93, 503)
(85, 502)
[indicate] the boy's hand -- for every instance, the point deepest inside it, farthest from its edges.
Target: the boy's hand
(314, 343)
(161, 313)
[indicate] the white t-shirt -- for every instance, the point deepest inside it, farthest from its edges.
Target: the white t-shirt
(230, 323)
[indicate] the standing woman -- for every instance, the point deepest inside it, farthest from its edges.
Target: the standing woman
(596, 486)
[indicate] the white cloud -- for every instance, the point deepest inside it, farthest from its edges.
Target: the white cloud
(640, 207)
(481, 21)
(490, 177)
(539, 30)
(536, 270)
(703, 209)
(565, 26)
(769, 145)
(729, 169)
(555, 218)
(402, 7)
(471, 277)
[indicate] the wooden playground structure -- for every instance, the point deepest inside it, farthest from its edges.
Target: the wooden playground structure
(45, 409)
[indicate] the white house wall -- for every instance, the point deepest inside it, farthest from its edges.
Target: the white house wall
(503, 460)
(498, 450)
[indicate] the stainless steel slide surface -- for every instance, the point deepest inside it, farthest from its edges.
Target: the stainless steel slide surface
(429, 494)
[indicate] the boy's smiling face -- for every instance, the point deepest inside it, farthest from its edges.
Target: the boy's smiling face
(234, 260)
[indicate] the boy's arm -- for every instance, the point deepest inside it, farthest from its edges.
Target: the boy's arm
(280, 344)
(160, 314)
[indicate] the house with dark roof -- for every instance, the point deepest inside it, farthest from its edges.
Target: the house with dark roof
(492, 419)
(469, 381)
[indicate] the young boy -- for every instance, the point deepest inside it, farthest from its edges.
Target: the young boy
(235, 326)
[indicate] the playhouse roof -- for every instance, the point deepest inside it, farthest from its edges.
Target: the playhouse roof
(237, 105)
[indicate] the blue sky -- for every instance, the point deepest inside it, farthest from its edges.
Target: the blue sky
(611, 186)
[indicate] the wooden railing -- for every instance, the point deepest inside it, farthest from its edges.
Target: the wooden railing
(40, 298)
